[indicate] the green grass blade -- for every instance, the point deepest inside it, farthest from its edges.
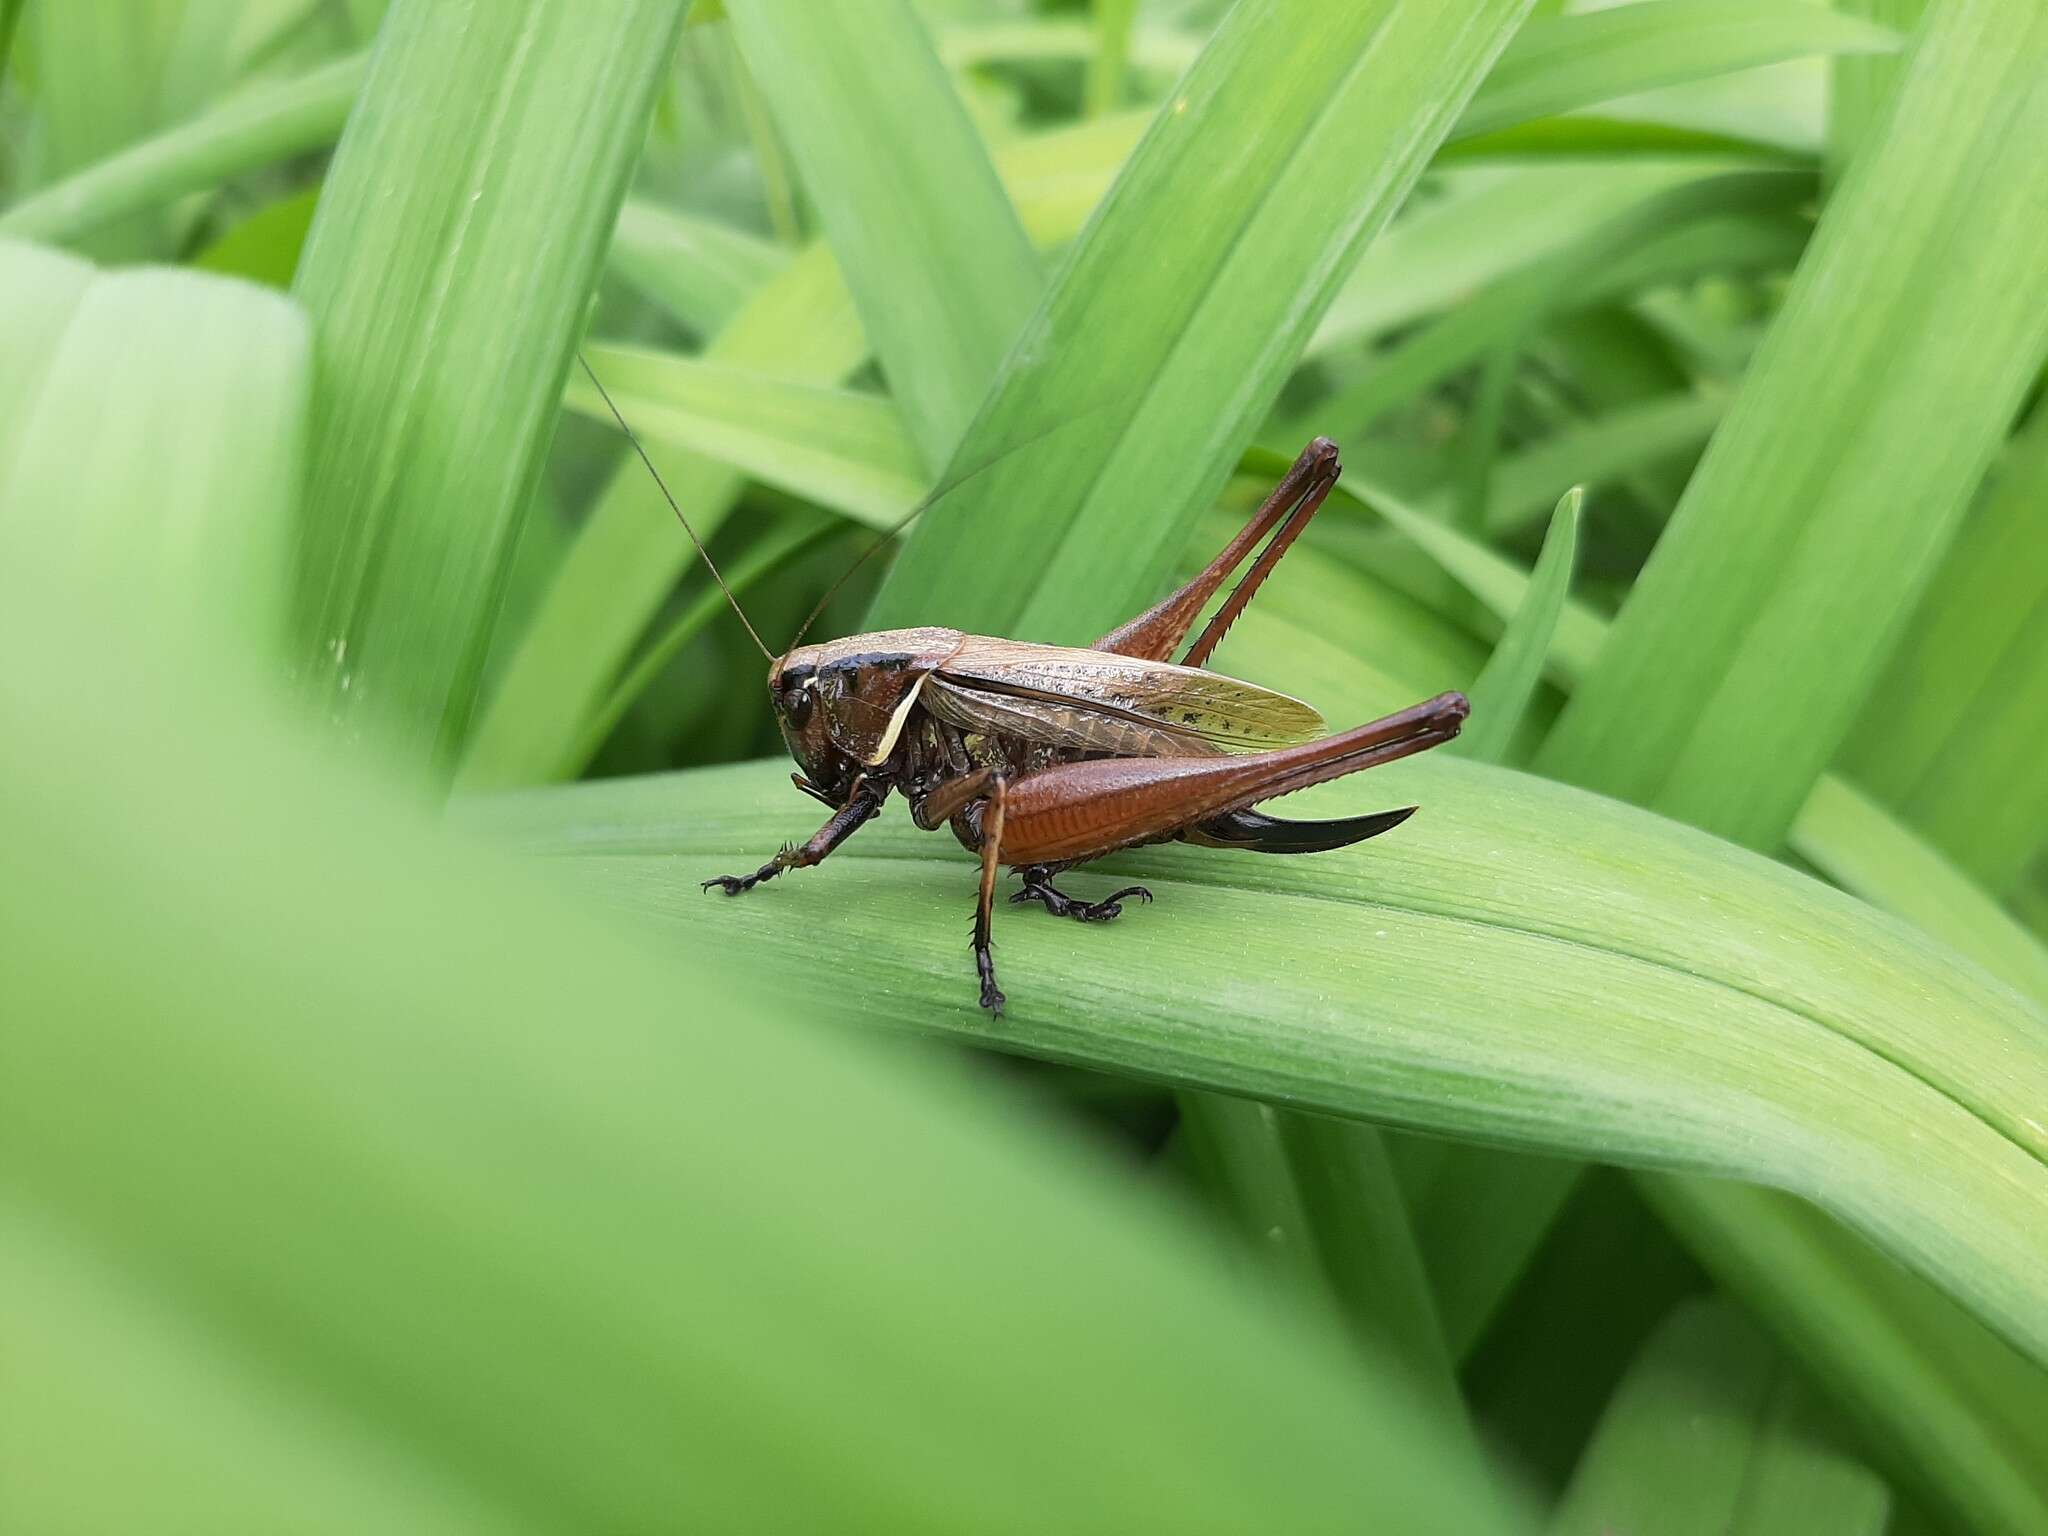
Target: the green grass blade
(423, 1168)
(1952, 734)
(1501, 695)
(931, 247)
(1721, 224)
(1955, 1411)
(1711, 1435)
(1486, 222)
(1298, 131)
(1859, 85)
(699, 270)
(629, 552)
(450, 292)
(1838, 829)
(158, 452)
(265, 124)
(1831, 1025)
(1557, 63)
(1844, 834)
(800, 326)
(1605, 448)
(761, 559)
(10, 19)
(1315, 1200)
(1487, 1215)
(1106, 65)
(1822, 505)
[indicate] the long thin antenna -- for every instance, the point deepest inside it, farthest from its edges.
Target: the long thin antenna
(667, 495)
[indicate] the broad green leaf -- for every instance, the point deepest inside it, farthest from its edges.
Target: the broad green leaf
(1711, 1434)
(1952, 734)
(155, 450)
(934, 254)
(1299, 131)
(1502, 692)
(446, 274)
(1825, 500)
(1561, 62)
(1637, 990)
(427, 1195)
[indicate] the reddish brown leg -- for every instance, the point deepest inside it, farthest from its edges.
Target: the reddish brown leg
(846, 821)
(984, 907)
(1153, 634)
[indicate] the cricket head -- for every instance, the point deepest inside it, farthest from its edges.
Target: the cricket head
(794, 693)
(842, 705)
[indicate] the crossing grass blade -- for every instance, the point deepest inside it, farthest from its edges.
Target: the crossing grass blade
(1153, 358)
(1605, 448)
(1565, 61)
(699, 270)
(1825, 500)
(841, 448)
(934, 254)
(259, 127)
(446, 274)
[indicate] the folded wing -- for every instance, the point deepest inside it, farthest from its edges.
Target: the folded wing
(1096, 701)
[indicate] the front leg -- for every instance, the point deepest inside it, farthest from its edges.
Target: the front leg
(859, 809)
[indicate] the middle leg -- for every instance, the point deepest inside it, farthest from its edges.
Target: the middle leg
(1038, 886)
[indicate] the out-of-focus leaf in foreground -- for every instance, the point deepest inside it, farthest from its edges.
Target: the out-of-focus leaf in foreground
(407, 1195)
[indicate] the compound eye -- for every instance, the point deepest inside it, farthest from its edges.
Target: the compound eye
(796, 705)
